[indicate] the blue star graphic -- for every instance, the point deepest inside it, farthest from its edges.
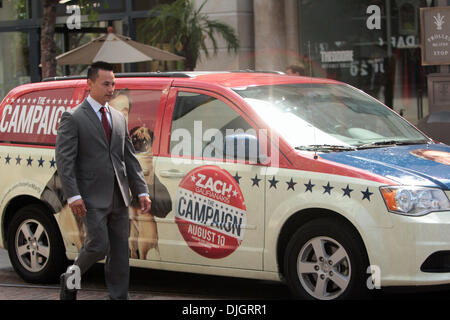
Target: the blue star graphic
(347, 191)
(255, 181)
(327, 188)
(366, 194)
(29, 161)
(291, 184)
(273, 183)
(41, 162)
(237, 177)
(309, 186)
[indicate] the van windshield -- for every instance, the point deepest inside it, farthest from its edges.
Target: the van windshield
(334, 115)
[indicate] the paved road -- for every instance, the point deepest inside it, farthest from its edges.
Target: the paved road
(165, 285)
(145, 285)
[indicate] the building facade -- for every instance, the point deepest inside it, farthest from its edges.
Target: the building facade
(373, 45)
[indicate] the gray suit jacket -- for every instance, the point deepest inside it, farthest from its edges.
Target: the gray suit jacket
(87, 164)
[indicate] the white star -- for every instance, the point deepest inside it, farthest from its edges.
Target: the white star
(235, 193)
(193, 178)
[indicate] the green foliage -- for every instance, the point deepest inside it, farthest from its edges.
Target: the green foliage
(21, 8)
(186, 30)
(87, 7)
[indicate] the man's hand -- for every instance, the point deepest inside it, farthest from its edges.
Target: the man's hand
(78, 208)
(145, 203)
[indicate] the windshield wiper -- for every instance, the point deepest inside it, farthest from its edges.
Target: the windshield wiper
(325, 147)
(377, 144)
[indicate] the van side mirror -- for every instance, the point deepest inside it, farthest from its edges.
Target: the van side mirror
(244, 146)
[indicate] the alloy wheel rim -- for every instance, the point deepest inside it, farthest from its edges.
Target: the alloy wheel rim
(32, 245)
(323, 268)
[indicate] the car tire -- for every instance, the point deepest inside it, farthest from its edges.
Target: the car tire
(35, 246)
(325, 260)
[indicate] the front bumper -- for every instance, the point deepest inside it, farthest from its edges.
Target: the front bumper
(415, 251)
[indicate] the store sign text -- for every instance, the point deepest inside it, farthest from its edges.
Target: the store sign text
(400, 42)
(337, 56)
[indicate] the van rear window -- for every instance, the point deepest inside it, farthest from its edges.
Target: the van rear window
(33, 117)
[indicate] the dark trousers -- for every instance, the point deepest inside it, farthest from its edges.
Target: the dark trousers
(107, 233)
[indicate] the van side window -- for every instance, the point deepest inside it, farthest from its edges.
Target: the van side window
(200, 123)
(139, 108)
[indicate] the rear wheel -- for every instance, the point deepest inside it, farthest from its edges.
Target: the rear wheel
(324, 260)
(35, 247)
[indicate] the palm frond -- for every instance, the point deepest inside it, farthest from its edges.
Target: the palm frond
(225, 31)
(180, 24)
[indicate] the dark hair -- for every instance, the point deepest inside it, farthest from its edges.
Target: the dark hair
(98, 65)
(297, 69)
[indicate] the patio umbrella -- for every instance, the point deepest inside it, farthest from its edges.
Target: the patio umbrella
(114, 48)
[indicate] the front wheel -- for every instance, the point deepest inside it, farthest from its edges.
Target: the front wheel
(35, 247)
(324, 260)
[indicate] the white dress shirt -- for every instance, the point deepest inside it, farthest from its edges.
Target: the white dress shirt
(97, 106)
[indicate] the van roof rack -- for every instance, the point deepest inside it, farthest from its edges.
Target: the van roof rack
(126, 75)
(257, 71)
(170, 74)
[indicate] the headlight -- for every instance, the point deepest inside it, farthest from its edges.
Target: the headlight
(414, 201)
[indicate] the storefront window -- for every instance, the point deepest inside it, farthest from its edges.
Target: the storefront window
(14, 62)
(15, 10)
(66, 41)
(381, 59)
(99, 6)
(148, 4)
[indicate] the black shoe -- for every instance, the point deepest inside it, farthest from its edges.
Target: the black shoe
(65, 293)
(108, 297)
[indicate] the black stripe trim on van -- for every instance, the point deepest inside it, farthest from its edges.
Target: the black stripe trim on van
(23, 144)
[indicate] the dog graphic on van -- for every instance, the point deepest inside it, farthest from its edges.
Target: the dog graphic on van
(143, 227)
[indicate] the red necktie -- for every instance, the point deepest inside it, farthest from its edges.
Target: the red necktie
(105, 124)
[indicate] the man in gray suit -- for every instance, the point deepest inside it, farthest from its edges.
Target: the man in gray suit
(97, 166)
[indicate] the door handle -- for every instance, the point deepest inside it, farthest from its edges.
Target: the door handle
(172, 173)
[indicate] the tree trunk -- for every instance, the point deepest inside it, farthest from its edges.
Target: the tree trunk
(48, 45)
(191, 56)
(190, 63)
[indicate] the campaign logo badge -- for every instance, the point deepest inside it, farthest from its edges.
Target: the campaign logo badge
(210, 212)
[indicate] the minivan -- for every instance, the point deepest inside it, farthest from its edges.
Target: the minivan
(251, 174)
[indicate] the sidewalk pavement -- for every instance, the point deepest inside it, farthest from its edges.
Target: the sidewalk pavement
(52, 293)
(12, 287)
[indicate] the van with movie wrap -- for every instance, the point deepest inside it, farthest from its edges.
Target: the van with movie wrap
(251, 174)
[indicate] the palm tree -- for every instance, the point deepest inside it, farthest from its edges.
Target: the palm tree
(186, 29)
(48, 45)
